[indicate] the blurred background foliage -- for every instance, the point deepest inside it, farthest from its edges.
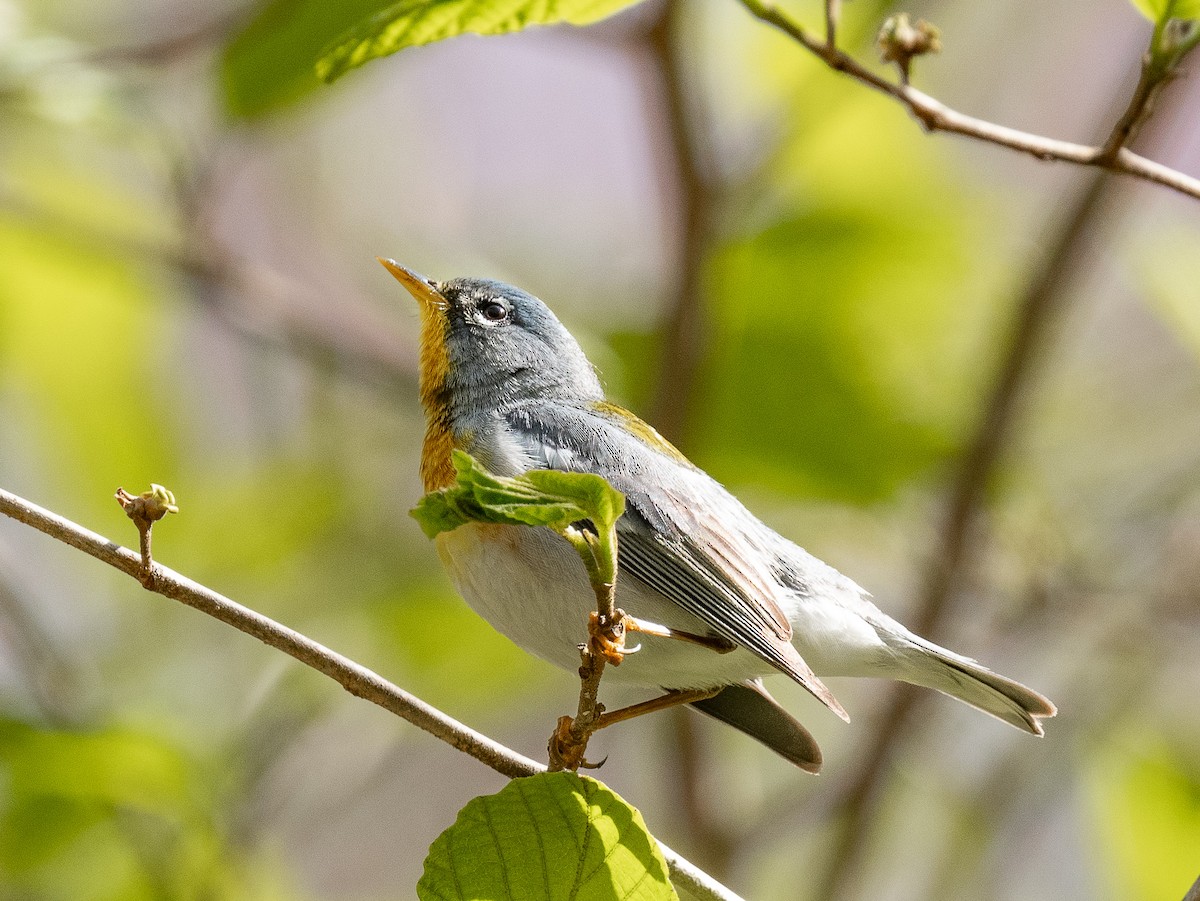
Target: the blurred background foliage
(188, 296)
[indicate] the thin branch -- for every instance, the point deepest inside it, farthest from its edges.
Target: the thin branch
(1150, 82)
(936, 116)
(165, 51)
(355, 678)
(833, 13)
(605, 644)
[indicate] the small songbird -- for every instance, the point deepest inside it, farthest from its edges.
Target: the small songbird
(503, 380)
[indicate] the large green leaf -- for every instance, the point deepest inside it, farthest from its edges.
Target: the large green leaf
(544, 838)
(270, 62)
(821, 318)
(411, 23)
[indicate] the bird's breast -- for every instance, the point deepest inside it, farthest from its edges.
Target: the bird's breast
(531, 586)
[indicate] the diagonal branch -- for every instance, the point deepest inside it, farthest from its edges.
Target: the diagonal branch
(684, 331)
(936, 116)
(355, 678)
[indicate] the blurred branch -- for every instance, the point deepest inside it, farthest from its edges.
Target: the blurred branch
(684, 332)
(1141, 104)
(54, 687)
(935, 116)
(173, 47)
(991, 804)
(355, 678)
(833, 14)
(684, 345)
(273, 311)
(1043, 299)
(1194, 892)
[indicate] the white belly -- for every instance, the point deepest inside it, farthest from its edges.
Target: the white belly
(531, 586)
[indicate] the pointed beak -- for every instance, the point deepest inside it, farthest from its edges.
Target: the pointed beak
(423, 289)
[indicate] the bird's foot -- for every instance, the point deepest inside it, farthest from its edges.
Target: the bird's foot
(566, 748)
(606, 636)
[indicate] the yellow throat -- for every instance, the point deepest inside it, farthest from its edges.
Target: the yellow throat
(436, 469)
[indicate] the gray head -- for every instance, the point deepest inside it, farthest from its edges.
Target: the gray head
(485, 344)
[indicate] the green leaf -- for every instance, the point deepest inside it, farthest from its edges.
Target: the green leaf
(550, 836)
(537, 498)
(1161, 10)
(269, 63)
(411, 23)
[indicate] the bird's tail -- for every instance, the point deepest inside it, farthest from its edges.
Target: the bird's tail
(960, 677)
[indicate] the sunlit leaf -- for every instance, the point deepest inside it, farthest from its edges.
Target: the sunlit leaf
(554, 835)
(269, 63)
(804, 326)
(1151, 9)
(411, 23)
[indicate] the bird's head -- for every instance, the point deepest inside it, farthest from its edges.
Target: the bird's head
(485, 344)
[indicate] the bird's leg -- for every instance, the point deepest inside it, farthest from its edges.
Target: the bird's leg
(670, 699)
(712, 642)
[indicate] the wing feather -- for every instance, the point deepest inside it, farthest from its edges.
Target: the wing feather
(701, 557)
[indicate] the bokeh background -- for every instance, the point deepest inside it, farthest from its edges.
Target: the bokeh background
(770, 262)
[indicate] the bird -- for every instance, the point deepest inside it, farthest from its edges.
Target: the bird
(502, 379)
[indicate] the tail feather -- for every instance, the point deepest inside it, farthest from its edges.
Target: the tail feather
(964, 679)
(749, 708)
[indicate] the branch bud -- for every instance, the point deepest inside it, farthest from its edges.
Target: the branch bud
(149, 506)
(901, 40)
(1178, 37)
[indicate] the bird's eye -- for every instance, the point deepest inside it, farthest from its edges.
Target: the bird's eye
(494, 311)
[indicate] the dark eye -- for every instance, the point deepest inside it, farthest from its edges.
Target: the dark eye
(494, 311)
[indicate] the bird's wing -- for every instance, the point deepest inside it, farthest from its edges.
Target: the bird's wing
(683, 535)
